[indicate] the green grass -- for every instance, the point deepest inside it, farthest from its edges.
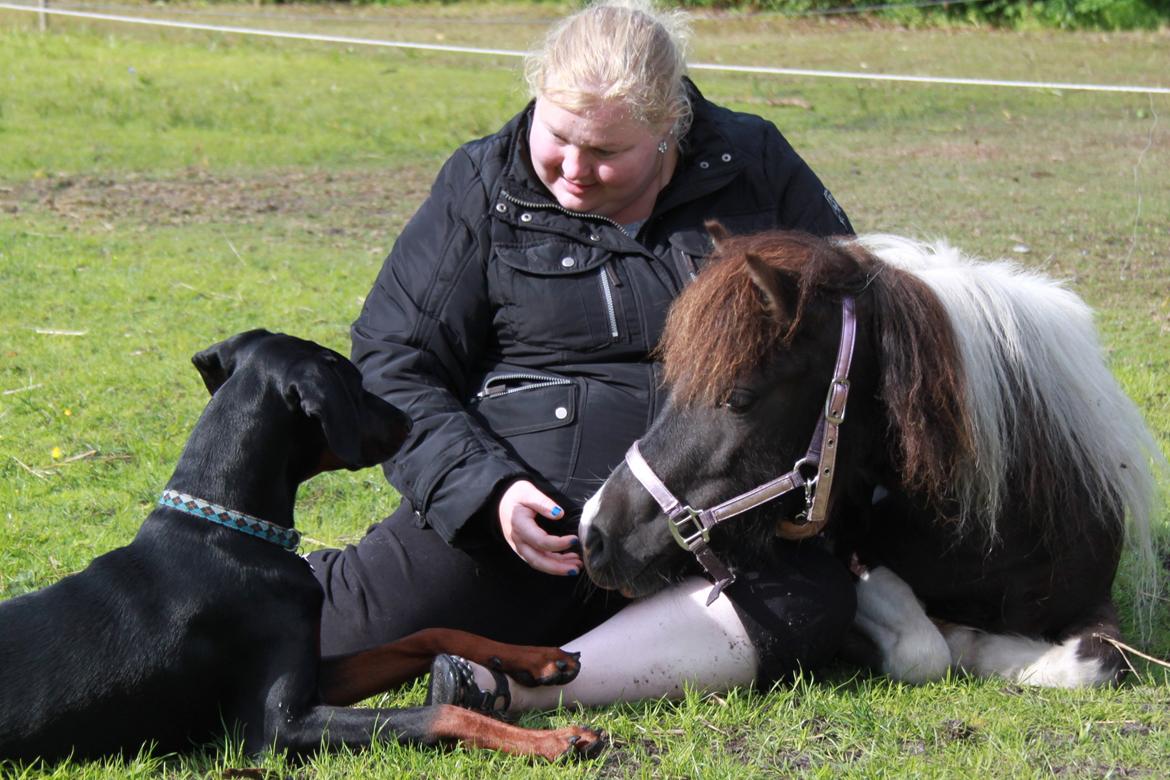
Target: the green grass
(160, 190)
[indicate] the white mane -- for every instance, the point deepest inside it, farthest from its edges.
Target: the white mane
(1037, 385)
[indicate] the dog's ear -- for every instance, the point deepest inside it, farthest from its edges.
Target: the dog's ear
(216, 363)
(360, 429)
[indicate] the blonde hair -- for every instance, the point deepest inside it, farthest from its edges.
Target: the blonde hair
(617, 51)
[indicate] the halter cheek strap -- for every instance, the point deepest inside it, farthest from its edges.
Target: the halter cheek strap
(814, 472)
(822, 450)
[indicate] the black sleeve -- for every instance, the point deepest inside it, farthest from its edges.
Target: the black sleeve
(805, 203)
(417, 340)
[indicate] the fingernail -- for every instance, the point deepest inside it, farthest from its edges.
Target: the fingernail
(571, 573)
(557, 511)
(575, 544)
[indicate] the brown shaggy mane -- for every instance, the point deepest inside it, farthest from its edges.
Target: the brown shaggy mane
(720, 329)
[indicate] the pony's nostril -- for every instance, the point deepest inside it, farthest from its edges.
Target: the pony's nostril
(594, 547)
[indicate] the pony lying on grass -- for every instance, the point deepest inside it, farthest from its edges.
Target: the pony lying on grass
(979, 486)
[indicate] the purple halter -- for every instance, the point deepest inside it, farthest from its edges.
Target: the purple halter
(691, 528)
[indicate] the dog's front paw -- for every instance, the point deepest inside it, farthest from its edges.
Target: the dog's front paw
(539, 666)
(580, 742)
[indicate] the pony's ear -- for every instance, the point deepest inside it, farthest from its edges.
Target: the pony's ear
(716, 230)
(781, 294)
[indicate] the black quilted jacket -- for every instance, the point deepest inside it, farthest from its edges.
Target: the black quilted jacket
(516, 334)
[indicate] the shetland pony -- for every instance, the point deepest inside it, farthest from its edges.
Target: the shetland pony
(986, 465)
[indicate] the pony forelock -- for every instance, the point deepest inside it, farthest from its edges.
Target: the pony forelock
(721, 327)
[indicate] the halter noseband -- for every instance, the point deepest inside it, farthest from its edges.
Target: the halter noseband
(691, 528)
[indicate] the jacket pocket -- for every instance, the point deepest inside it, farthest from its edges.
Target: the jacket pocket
(534, 414)
(558, 296)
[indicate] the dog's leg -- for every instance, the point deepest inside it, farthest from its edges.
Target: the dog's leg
(336, 727)
(350, 678)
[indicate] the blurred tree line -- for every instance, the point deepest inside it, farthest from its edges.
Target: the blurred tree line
(1065, 14)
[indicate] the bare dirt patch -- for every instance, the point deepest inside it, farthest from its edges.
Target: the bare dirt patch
(346, 202)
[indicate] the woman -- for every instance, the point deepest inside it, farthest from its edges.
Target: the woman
(514, 320)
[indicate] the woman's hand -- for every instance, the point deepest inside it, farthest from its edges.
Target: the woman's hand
(519, 507)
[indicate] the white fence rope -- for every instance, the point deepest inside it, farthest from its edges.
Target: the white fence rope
(803, 72)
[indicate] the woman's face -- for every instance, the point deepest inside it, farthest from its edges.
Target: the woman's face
(599, 162)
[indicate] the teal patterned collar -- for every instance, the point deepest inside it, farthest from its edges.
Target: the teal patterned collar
(288, 538)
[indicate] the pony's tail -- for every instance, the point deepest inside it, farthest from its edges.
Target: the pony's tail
(1149, 553)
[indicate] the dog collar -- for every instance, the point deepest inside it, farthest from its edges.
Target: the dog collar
(288, 538)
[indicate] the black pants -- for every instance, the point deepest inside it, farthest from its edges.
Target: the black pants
(401, 578)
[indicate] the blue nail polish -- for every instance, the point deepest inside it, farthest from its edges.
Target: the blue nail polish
(557, 511)
(571, 573)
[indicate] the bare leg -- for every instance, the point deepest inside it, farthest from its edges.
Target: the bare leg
(654, 647)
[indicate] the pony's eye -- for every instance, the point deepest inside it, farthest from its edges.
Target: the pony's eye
(739, 400)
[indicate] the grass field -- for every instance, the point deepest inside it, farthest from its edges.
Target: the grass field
(160, 190)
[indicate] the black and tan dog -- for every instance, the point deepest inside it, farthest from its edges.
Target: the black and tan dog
(205, 620)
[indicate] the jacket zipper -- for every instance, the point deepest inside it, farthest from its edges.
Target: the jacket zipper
(607, 296)
(556, 206)
(535, 382)
(688, 265)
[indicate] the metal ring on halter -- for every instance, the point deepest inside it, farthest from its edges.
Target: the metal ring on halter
(675, 524)
(813, 465)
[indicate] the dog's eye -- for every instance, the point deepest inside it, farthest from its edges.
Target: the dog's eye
(739, 400)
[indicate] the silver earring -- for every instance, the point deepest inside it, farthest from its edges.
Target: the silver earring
(662, 147)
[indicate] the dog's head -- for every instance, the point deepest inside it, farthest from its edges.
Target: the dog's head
(359, 428)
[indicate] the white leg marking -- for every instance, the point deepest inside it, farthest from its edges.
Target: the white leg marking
(1024, 660)
(911, 646)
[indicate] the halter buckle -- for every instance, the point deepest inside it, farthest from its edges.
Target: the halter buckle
(698, 532)
(835, 402)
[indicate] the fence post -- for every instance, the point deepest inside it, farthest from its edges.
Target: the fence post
(42, 17)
